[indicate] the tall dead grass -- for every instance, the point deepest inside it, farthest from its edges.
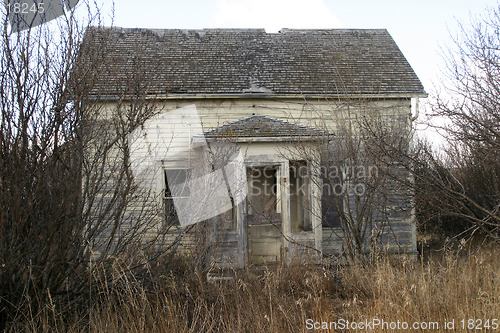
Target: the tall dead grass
(281, 299)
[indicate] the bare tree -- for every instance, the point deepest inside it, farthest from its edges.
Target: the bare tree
(465, 180)
(41, 239)
(67, 190)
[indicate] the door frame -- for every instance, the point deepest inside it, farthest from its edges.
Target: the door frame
(281, 181)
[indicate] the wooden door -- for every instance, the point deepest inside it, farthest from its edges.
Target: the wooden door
(263, 216)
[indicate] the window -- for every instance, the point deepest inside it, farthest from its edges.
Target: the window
(300, 196)
(332, 192)
(176, 187)
(263, 204)
(329, 212)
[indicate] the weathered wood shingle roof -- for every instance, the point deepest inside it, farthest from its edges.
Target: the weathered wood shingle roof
(251, 61)
(257, 126)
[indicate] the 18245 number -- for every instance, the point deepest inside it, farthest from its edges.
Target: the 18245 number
(25, 8)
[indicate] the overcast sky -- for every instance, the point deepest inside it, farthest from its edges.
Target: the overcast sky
(418, 27)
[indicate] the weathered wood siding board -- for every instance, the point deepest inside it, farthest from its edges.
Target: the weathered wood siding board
(317, 114)
(302, 247)
(186, 243)
(391, 241)
(332, 242)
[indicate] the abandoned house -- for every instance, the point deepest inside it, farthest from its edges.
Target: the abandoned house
(261, 118)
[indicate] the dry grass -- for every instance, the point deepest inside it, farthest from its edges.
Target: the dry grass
(284, 298)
